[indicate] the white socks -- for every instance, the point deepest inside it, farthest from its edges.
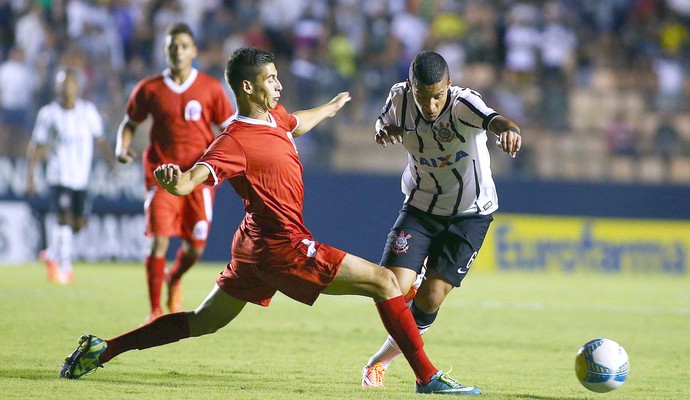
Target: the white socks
(60, 250)
(389, 351)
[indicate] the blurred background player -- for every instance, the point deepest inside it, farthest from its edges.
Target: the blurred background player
(272, 250)
(64, 133)
(183, 102)
(450, 195)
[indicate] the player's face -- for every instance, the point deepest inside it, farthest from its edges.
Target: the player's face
(180, 51)
(266, 88)
(430, 99)
(67, 87)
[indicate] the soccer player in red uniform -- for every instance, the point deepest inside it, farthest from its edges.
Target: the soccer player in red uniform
(272, 250)
(183, 102)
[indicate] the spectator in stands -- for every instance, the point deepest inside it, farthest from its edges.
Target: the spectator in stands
(557, 45)
(667, 141)
(621, 138)
(17, 84)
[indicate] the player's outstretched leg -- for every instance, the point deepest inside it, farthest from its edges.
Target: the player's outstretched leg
(84, 359)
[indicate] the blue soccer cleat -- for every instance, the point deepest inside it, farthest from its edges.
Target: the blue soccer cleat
(442, 383)
(84, 359)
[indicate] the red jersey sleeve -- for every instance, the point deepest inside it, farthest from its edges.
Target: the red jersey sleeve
(136, 105)
(225, 158)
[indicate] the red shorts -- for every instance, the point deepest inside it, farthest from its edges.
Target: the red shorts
(300, 270)
(187, 217)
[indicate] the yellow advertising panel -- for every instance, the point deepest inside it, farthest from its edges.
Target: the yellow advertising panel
(520, 242)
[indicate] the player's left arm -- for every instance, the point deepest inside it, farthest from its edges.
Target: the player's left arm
(179, 183)
(310, 118)
(507, 133)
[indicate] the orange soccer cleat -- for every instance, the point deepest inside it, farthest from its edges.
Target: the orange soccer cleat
(51, 266)
(372, 375)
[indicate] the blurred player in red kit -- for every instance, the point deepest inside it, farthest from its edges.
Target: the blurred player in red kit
(184, 103)
(272, 250)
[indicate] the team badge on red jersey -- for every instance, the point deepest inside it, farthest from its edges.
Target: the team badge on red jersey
(192, 111)
(399, 244)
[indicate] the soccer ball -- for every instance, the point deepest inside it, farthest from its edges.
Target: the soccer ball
(601, 365)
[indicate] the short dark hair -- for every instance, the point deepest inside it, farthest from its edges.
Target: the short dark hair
(428, 68)
(245, 64)
(178, 28)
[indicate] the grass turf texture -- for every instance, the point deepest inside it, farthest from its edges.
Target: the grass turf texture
(513, 334)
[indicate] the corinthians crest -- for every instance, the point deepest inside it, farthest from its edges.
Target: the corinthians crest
(399, 243)
(443, 132)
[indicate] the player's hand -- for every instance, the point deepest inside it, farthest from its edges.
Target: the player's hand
(389, 133)
(339, 101)
(510, 142)
(126, 156)
(167, 175)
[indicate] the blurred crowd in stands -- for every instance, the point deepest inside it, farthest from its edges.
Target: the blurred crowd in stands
(600, 87)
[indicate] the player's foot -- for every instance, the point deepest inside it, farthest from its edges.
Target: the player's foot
(51, 266)
(66, 277)
(155, 313)
(372, 375)
(174, 293)
(84, 359)
(442, 383)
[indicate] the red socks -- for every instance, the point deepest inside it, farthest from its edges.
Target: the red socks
(166, 329)
(183, 263)
(155, 274)
(400, 324)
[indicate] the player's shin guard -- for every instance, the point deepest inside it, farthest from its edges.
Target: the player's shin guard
(389, 350)
(166, 329)
(423, 320)
(400, 324)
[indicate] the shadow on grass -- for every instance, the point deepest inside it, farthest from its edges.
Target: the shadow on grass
(534, 397)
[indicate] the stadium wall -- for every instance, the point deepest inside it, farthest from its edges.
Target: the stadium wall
(540, 225)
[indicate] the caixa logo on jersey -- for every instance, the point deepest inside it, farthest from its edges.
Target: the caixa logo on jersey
(440, 162)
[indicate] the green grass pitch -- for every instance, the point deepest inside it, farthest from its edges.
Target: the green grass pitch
(513, 334)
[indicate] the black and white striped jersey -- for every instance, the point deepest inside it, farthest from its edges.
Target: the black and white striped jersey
(448, 166)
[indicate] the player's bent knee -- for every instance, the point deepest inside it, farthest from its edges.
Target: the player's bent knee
(387, 284)
(201, 323)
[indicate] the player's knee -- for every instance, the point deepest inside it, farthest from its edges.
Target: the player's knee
(431, 300)
(195, 252)
(201, 323)
(387, 284)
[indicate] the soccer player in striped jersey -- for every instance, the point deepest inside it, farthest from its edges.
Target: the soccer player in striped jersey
(65, 133)
(184, 104)
(450, 195)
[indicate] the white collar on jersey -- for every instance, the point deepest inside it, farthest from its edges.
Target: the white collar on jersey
(271, 123)
(169, 82)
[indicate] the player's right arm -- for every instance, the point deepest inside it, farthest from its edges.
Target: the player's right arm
(386, 129)
(125, 134)
(35, 153)
(179, 183)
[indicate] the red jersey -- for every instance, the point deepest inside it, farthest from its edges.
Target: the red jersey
(260, 161)
(182, 117)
